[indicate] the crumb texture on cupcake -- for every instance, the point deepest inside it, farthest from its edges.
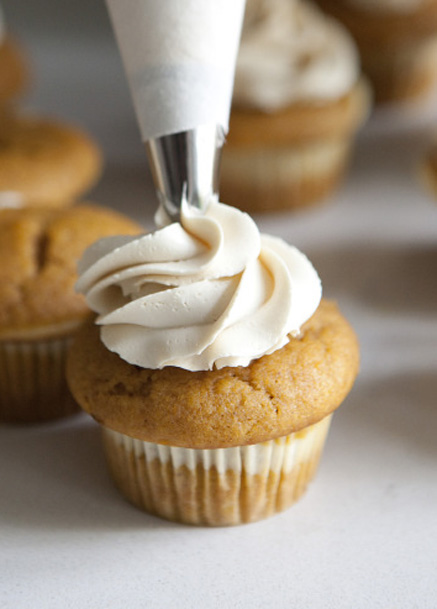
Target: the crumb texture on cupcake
(39, 250)
(274, 396)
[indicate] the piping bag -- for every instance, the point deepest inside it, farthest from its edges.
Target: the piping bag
(179, 57)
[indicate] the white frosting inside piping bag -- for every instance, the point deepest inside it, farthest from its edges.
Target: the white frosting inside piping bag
(179, 57)
(208, 292)
(291, 52)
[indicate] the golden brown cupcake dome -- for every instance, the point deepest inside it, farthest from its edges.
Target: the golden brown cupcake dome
(45, 163)
(218, 447)
(39, 309)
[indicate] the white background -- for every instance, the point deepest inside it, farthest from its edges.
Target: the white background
(365, 534)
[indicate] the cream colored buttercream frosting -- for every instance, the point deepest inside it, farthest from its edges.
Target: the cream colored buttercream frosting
(291, 52)
(205, 293)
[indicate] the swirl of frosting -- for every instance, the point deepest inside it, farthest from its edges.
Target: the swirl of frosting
(209, 292)
(291, 52)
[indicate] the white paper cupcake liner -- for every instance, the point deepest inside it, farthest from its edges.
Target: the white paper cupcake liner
(226, 486)
(32, 380)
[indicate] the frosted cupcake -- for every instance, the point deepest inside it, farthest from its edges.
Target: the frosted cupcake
(215, 370)
(397, 41)
(45, 163)
(298, 103)
(39, 310)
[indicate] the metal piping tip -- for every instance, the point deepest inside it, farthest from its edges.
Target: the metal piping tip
(185, 166)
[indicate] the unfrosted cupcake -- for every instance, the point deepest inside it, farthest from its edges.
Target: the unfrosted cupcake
(215, 371)
(39, 310)
(45, 163)
(298, 104)
(397, 41)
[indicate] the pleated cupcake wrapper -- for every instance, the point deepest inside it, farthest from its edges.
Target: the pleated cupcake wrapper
(283, 177)
(32, 380)
(402, 72)
(226, 486)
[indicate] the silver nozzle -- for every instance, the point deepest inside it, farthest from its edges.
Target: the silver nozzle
(186, 166)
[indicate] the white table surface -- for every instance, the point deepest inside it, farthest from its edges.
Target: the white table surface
(365, 534)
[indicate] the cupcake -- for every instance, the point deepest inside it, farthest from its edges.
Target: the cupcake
(39, 310)
(213, 369)
(397, 41)
(13, 71)
(45, 163)
(298, 103)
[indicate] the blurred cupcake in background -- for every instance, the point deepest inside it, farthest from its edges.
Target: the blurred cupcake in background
(39, 309)
(13, 69)
(299, 100)
(45, 163)
(397, 41)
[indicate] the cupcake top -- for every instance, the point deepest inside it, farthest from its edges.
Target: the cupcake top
(274, 396)
(291, 52)
(204, 294)
(39, 250)
(45, 163)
